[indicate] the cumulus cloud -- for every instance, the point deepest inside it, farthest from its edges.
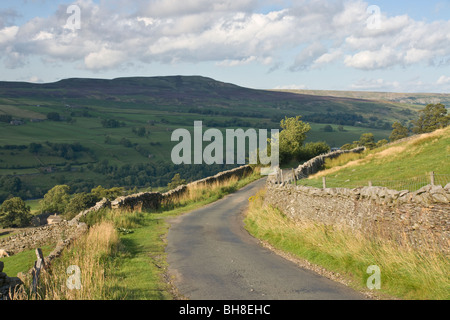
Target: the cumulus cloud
(368, 60)
(103, 59)
(307, 34)
(308, 55)
(443, 80)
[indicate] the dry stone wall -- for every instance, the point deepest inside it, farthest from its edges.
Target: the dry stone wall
(64, 233)
(39, 236)
(36, 237)
(416, 217)
(154, 200)
(7, 284)
(314, 165)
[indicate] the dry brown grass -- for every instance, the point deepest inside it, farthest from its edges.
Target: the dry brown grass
(90, 253)
(407, 272)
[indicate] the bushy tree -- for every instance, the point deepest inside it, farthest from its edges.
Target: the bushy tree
(399, 132)
(176, 182)
(55, 200)
(34, 147)
(53, 116)
(381, 143)
(432, 117)
(313, 149)
(367, 140)
(291, 138)
(14, 213)
(110, 194)
(80, 202)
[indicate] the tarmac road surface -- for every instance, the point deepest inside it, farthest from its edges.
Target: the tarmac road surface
(212, 257)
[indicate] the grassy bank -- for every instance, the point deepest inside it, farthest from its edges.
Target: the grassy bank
(405, 273)
(123, 255)
(403, 165)
(23, 261)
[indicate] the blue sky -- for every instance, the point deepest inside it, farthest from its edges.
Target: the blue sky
(303, 44)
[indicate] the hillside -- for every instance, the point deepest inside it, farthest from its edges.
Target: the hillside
(395, 97)
(401, 165)
(194, 94)
(86, 132)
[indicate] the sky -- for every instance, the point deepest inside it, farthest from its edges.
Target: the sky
(375, 45)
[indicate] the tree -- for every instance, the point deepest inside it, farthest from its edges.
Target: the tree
(367, 140)
(381, 143)
(176, 182)
(14, 213)
(399, 132)
(328, 128)
(110, 194)
(53, 116)
(313, 149)
(292, 137)
(34, 147)
(11, 184)
(432, 117)
(80, 202)
(55, 200)
(5, 118)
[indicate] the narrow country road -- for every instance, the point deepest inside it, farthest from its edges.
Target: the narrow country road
(212, 257)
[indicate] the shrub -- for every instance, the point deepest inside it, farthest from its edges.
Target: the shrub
(80, 202)
(14, 213)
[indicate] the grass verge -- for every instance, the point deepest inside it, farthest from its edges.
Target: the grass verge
(123, 255)
(23, 261)
(405, 273)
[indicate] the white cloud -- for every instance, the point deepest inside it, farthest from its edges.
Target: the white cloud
(8, 34)
(244, 61)
(308, 56)
(327, 58)
(309, 34)
(368, 60)
(103, 59)
(443, 80)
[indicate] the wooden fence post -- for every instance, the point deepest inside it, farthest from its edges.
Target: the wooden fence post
(295, 177)
(370, 183)
(432, 177)
(38, 266)
(324, 182)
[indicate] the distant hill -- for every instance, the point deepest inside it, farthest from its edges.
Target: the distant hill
(407, 98)
(196, 94)
(90, 132)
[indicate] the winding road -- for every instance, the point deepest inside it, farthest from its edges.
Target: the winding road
(212, 257)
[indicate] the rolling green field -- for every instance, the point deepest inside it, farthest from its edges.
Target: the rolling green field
(82, 151)
(405, 165)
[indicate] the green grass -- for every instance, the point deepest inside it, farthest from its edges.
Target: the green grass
(23, 261)
(408, 163)
(405, 273)
(338, 138)
(146, 102)
(136, 270)
(142, 262)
